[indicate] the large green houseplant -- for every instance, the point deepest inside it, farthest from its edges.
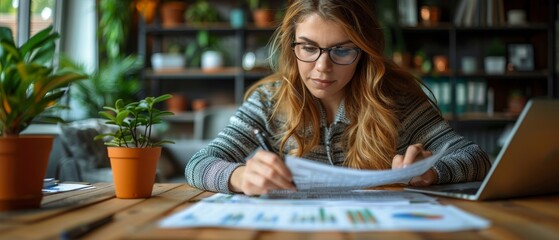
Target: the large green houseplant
(132, 149)
(30, 87)
(117, 76)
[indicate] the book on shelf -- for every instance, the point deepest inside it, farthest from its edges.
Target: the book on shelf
(480, 13)
(407, 12)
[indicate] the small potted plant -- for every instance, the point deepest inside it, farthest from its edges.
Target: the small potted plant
(30, 87)
(171, 60)
(132, 149)
(494, 61)
(201, 13)
(515, 102)
(172, 13)
(205, 52)
(262, 15)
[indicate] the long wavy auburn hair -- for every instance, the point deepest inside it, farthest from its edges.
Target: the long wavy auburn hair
(371, 137)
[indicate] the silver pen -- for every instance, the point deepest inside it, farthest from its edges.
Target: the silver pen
(263, 141)
(265, 145)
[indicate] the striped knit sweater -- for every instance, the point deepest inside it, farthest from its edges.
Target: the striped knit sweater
(211, 168)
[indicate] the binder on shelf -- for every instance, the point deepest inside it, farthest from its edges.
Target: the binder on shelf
(442, 92)
(477, 95)
(461, 97)
(446, 95)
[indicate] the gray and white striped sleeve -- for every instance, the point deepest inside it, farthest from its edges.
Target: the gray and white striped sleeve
(211, 168)
(422, 123)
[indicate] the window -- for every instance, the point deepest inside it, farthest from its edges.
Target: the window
(8, 15)
(40, 15)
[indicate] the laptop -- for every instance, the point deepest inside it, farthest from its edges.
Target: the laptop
(527, 165)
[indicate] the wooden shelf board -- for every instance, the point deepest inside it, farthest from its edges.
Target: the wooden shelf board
(481, 116)
(189, 73)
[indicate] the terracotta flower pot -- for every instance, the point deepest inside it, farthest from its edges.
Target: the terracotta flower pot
(172, 13)
(23, 165)
(147, 9)
(177, 104)
(263, 17)
(134, 170)
(199, 104)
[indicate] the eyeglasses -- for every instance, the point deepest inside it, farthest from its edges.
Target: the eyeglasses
(339, 55)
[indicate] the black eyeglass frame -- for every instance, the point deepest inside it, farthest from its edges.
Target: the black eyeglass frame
(322, 50)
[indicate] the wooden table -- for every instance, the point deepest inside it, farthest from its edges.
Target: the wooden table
(527, 218)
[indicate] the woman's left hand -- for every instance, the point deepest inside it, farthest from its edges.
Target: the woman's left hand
(415, 153)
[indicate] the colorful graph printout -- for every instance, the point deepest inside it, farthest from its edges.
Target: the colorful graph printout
(416, 217)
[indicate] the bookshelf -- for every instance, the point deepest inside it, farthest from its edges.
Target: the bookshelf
(456, 40)
(476, 102)
(229, 82)
(218, 87)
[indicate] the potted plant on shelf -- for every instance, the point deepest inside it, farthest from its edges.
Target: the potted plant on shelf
(494, 61)
(172, 13)
(132, 149)
(29, 90)
(201, 13)
(205, 52)
(262, 15)
(171, 60)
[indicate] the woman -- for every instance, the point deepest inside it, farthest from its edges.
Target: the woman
(334, 98)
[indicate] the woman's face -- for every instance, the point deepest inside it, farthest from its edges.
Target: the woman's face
(324, 78)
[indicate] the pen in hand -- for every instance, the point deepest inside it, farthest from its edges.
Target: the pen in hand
(263, 141)
(264, 144)
(82, 229)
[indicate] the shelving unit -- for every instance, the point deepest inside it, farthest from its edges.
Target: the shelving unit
(456, 41)
(220, 88)
(233, 75)
(442, 38)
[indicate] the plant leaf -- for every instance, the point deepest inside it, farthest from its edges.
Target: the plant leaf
(120, 116)
(107, 116)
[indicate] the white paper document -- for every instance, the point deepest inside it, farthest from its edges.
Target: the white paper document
(310, 218)
(312, 175)
(65, 187)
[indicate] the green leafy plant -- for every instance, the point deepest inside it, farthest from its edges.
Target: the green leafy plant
(117, 76)
(30, 85)
(496, 48)
(257, 4)
(107, 84)
(113, 26)
(134, 122)
(201, 12)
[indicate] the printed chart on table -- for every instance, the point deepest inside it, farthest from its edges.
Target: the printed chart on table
(416, 217)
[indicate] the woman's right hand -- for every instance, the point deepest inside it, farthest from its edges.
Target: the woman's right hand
(265, 171)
